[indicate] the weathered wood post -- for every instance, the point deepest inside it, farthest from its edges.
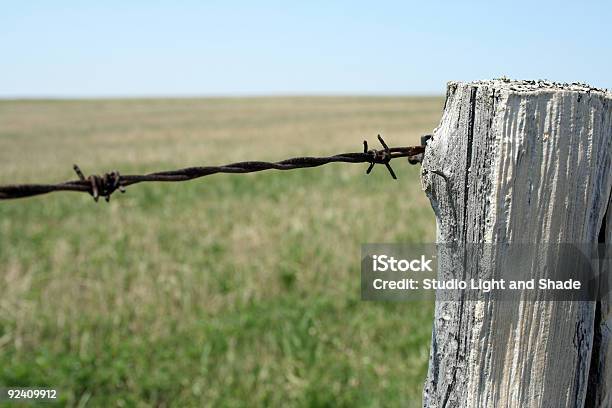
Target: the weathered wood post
(524, 162)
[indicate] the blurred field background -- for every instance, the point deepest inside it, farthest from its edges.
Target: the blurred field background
(232, 290)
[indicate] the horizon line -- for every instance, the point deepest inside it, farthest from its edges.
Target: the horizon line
(220, 96)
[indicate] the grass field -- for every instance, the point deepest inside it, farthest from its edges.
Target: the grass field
(232, 290)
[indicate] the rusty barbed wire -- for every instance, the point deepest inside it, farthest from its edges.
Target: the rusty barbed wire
(105, 185)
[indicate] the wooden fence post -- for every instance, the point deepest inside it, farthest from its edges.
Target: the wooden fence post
(522, 162)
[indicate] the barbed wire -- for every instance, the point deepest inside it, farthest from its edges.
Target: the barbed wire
(105, 185)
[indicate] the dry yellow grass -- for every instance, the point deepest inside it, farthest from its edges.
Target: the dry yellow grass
(219, 291)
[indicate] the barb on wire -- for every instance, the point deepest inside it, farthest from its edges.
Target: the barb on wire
(108, 183)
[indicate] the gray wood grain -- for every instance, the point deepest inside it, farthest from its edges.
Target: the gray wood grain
(522, 162)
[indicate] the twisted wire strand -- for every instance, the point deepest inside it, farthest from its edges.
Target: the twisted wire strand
(108, 183)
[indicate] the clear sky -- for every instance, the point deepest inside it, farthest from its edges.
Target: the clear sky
(174, 48)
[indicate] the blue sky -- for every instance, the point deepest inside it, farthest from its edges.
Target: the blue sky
(112, 48)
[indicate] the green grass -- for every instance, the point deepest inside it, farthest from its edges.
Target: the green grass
(233, 290)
